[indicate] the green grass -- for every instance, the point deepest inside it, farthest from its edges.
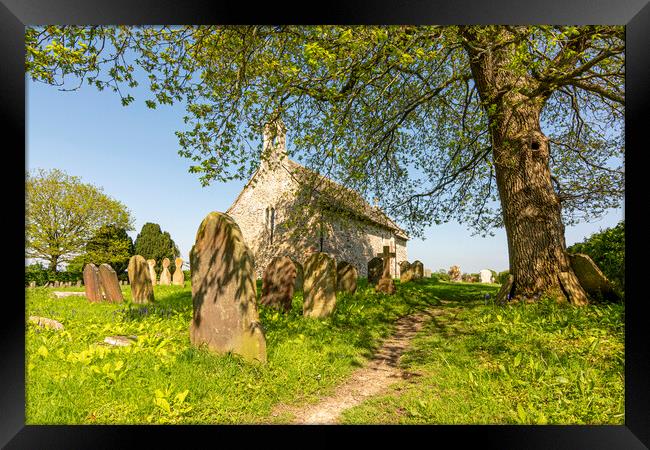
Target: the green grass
(527, 364)
(72, 378)
(475, 363)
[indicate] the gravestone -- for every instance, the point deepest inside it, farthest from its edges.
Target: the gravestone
(591, 278)
(59, 294)
(92, 283)
(44, 322)
(418, 269)
(486, 276)
(375, 269)
(346, 277)
(427, 273)
(78, 283)
(319, 290)
(140, 280)
(386, 283)
(406, 272)
(165, 275)
(224, 292)
(120, 341)
(32, 284)
(300, 276)
(178, 279)
(152, 271)
(111, 286)
(454, 273)
(278, 283)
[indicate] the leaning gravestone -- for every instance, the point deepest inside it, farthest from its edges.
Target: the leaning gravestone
(178, 279)
(165, 275)
(486, 276)
(406, 272)
(300, 276)
(110, 284)
(319, 290)
(346, 277)
(278, 283)
(224, 293)
(140, 280)
(92, 283)
(418, 269)
(152, 271)
(375, 269)
(591, 278)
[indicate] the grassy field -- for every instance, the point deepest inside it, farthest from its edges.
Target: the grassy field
(475, 363)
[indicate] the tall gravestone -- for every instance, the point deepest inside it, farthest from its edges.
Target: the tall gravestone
(92, 283)
(386, 283)
(140, 280)
(224, 293)
(178, 279)
(165, 275)
(346, 277)
(406, 272)
(418, 270)
(111, 285)
(278, 283)
(319, 290)
(486, 276)
(300, 276)
(375, 269)
(152, 271)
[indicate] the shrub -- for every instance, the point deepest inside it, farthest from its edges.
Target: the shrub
(502, 278)
(607, 249)
(441, 275)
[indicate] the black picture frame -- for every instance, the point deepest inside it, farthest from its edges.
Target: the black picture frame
(635, 14)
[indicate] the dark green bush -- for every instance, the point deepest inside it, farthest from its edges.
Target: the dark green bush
(38, 273)
(607, 249)
(503, 277)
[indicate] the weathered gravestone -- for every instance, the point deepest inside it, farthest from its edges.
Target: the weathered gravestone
(375, 269)
(44, 322)
(92, 283)
(418, 269)
(386, 283)
(140, 280)
(406, 272)
(346, 277)
(152, 271)
(319, 290)
(78, 283)
(165, 275)
(111, 286)
(591, 278)
(224, 293)
(427, 273)
(178, 279)
(486, 276)
(300, 276)
(454, 273)
(278, 283)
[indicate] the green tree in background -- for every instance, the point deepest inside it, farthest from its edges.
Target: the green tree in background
(62, 214)
(607, 249)
(111, 245)
(153, 243)
(493, 126)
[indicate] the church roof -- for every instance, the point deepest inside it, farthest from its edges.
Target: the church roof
(345, 197)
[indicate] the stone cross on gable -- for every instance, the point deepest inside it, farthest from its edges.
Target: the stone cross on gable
(386, 255)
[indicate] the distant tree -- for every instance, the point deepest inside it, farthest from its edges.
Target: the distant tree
(607, 249)
(62, 214)
(153, 243)
(110, 245)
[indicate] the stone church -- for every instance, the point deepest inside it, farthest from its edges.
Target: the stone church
(287, 209)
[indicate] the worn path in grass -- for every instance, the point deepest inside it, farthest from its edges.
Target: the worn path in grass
(380, 372)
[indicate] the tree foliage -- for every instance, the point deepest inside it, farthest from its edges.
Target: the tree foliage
(153, 243)
(391, 111)
(111, 245)
(62, 214)
(607, 249)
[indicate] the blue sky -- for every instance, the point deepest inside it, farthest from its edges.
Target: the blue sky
(131, 152)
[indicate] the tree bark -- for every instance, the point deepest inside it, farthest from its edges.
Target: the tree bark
(530, 207)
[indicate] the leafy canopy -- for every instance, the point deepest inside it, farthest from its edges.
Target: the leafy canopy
(62, 214)
(390, 111)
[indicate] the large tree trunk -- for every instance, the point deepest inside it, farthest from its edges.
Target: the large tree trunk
(531, 209)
